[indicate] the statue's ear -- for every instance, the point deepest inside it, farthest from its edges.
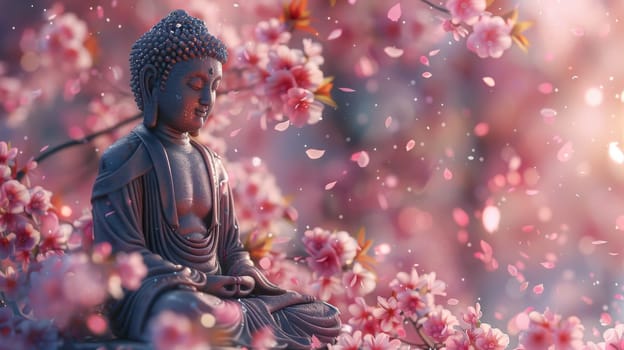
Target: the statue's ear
(148, 84)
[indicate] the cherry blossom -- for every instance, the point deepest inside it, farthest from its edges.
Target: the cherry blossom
(358, 281)
(173, 331)
(489, 338)
(614, 337)
(14, 196)
(348, 342)
(467, 11)
(39, 201)
(388, 314)
(272, 32)
(439, 324)
(131, 269)
(301, 108)
(380, 342)
(63, 40)
(490, 37)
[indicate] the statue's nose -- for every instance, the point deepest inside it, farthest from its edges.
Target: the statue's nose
(206, 97)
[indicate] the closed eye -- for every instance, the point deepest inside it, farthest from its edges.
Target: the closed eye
(196, 83)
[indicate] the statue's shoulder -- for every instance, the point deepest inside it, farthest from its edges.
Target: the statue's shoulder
(119, 154)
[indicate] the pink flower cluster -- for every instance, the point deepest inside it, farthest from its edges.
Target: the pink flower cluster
(491, 35)
(260, 204)
(335, 269)
(413, 302)
(62, 43)
(549, 330)
(287, 81)
(58, 291)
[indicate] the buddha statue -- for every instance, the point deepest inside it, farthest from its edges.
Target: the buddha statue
(161, 193)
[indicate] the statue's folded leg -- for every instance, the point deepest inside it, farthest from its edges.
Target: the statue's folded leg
(194, 305)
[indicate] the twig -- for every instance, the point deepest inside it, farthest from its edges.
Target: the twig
(50, 151)
(437, 7)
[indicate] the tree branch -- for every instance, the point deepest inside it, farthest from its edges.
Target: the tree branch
(437, 7)
(50, 151)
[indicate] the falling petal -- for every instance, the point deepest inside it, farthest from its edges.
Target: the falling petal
(345, 89)
(486, 247)
(548, 265)
(460, 217)
(235, 132)
(424, 60)
(315, 153)
(97, 324)
(410, 144)
(489, 81)
(548, 114)
(393, 51)
(545, 88)
(538, 289)
(524, 285)
(382, 200)
(482, 129)
(282, 126)
(615, 153)
(513, 271)
(395, 12)
(452, 301)
(599, 242)
(335, 34)
(361, 158)
(605, 319)
(388, 122)
(330, 185)
(565, 152)
(491, 218)
(434, 52)
(448, 175)
(100, 11)
(427, 75)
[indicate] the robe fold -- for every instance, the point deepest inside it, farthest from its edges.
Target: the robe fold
(134, 210)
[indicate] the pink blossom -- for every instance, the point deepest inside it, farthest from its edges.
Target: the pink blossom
(307, 76)
(7, 154)
(458, 341)
(568, 335)
(466, 11)
(272, 32)
(360, 311)
(7, 245)
(26, 237)
(315, 240)
(439, 324)
(278, 84)
(491, 36)
(414, 304)
(358, 281)
(53, 236)
(84, 284)
(326, 262)
(388, 313)
(301, 108)
(284, 58)
(253, 55)
(404, 281)
(380, 342)
(348, 342)
(11, 282)
(324, 287)
(457, 30)
(5, 173)
(47, 296)
(63, 39)
(429, 284)
(171, 331)
(614, 337)
(14, 196)
(488, 338)
(263, 339)
(39, 201)
(536, 337)
(344, 245)
(473, 315)
(131, 269)
(313, 51)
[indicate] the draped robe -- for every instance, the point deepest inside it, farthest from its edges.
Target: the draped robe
(134, 210)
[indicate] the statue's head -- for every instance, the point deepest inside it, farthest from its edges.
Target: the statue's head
(176, 38)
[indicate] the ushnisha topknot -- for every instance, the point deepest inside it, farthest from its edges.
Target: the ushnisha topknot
(177, 37)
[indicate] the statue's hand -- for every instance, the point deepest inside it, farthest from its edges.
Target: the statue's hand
(228, 286)
(262, 285)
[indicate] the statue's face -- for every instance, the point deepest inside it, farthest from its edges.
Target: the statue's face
(189, 94)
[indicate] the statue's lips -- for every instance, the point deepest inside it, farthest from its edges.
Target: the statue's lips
(200, 112)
